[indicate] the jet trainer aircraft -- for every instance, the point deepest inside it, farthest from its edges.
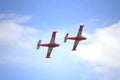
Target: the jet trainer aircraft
(77, 38)
(50, 45)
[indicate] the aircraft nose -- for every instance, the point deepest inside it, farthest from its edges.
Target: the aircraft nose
(58, 44)
(85, 38)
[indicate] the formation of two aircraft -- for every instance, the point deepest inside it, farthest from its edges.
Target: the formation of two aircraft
(52, 43)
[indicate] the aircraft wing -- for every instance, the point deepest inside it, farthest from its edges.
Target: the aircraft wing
(51, 42)
(53, 38)
(49, 52)
(75, 44)
(80, 31)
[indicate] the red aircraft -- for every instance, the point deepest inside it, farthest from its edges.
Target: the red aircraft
(77, 38)
(50, 45)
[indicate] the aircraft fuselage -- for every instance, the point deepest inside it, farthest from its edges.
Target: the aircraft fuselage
(50, 45)
(77, 38)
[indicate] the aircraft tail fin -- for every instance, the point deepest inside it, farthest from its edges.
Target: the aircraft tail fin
(38, 44)
(65, 39)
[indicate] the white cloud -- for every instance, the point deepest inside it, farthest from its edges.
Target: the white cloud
(103, 46)
(17, 38)
(13, 32)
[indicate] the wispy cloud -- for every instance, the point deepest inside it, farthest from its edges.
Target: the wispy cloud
(14, 17)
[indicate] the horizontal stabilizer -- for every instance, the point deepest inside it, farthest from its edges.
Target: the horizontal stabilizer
(65, 39)
(38, 44)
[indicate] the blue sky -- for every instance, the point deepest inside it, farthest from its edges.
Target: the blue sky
(24, 22)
